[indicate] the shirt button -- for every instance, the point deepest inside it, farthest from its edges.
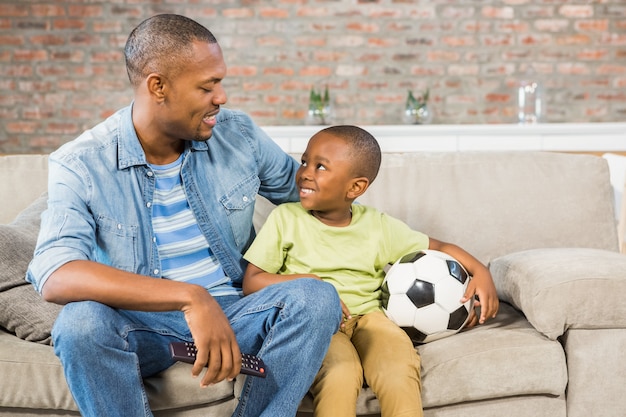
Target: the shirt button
(154, 239)
(119, 226)
(148, 204)
(156, 272)
(149, 173)
(245, 198)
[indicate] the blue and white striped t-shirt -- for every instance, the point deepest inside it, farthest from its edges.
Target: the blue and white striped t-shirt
(184, 251)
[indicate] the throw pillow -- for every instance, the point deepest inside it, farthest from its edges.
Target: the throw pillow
(24, 312)
(562, 288)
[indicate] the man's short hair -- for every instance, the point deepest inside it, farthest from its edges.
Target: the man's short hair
(162, 44)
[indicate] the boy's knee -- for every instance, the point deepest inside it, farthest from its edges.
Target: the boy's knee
(395, 379)
(343, 373)
(341, 378)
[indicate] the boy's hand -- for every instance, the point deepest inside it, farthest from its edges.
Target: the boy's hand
(481, 286)
(346, 314)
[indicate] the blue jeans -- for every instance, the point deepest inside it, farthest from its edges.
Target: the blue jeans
(106, 352)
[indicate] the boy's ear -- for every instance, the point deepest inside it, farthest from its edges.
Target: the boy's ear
(358, 187)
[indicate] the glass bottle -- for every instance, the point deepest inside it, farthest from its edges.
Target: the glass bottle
(529, 100)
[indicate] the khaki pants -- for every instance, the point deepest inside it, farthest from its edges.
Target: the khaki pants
(373, 347)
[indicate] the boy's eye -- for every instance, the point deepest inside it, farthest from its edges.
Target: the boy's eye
(321, 167)
(303, 163)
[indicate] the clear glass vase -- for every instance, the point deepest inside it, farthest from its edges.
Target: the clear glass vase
(420, 115)
(320, 108)
(319, 115)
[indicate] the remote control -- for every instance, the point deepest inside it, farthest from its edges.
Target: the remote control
(186, 352)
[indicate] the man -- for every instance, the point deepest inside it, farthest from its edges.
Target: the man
(148, 215)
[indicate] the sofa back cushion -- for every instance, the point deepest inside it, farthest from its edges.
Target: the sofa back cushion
(494, 203)
(490, 203)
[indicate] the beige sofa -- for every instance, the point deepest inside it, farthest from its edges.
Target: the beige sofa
(545, 224)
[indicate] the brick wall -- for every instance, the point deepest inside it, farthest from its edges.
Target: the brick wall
(61, 63)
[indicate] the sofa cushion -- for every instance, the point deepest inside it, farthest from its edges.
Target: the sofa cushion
(23, 311)
(37, 383)
(561, 288)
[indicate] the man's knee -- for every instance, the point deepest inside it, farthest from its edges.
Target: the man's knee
(81, 322)
(316, 298)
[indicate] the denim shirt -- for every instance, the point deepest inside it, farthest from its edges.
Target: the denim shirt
(101, 190)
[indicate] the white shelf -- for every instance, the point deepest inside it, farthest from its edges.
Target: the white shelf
(566, 137)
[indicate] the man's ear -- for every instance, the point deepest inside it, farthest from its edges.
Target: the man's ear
(156, 86)
(358, 187)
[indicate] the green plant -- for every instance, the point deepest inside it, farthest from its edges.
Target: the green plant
(319, 103)
(418, 102)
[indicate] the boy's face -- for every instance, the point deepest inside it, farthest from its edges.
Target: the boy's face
(326, 175)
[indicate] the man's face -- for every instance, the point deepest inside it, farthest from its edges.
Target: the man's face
(193, 97)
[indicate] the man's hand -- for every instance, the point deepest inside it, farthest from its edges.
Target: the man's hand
(214, 338)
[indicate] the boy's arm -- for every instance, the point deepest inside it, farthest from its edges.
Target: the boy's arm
(481, 284)
(255, 278)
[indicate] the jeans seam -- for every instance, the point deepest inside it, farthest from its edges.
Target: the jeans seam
(128, 329)
(279, 304)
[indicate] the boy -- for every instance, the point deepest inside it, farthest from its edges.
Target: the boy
(326, 236)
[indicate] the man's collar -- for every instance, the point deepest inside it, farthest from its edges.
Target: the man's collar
(129, 150)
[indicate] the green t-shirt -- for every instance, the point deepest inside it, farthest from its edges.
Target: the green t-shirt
(351, 258)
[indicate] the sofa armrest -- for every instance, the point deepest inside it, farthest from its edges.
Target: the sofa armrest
(621, 224)
(24, 178)
(562, 288)
(617, 169)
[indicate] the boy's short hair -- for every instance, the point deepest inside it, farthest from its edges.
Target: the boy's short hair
(364, 149)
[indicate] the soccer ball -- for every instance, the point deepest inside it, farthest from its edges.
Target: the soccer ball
(421, 293)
